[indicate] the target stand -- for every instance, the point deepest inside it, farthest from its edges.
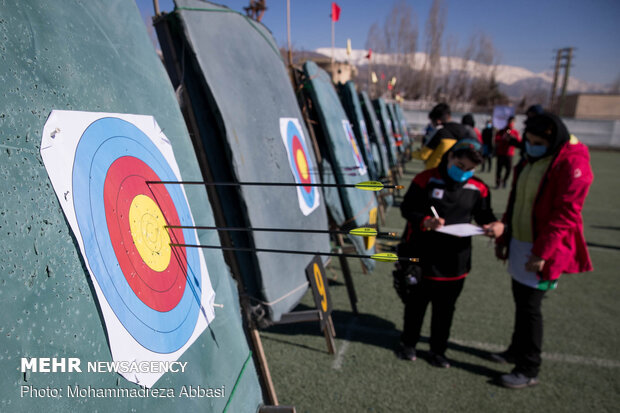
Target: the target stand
(311, 119)
(322, 299)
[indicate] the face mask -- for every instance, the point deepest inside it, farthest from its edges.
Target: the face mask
(535, 151)
(459, 175)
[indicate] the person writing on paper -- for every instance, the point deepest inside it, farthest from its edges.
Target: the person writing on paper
(456, 196)
(544, 234)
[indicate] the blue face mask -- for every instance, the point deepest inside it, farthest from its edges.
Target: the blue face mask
(535, 151)
(459, 175)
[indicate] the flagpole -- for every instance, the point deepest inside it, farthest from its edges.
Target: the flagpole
(369, 76)
(333, 44)
(288, 31)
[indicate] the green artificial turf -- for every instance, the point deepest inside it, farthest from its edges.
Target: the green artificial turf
(581, 360)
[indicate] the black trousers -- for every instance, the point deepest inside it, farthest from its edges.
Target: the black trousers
(442, 295)
(487, 159)
(503, 162)
(527, 337)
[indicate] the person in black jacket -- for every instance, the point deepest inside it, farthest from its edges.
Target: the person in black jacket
(445, 260)
(446, 134)
(488, 136)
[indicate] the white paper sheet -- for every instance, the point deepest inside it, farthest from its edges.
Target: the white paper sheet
(62, 134)
(461, 230)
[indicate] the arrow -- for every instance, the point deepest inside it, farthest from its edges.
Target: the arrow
(381, 257)
(366, 185)
(361, 232)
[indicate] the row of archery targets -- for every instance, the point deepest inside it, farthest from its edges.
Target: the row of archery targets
(176, 193)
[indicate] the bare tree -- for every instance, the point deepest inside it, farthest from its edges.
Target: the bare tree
(375, 39)
(398, 39)
(450, 58)
(434, 30)
(468, 75)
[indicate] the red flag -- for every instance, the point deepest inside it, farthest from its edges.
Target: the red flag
(335, 12)
(369, 54)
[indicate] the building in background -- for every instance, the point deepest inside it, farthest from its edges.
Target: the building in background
(592, 106)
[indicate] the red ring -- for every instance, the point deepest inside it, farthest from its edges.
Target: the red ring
(298, 147)
(161, 291)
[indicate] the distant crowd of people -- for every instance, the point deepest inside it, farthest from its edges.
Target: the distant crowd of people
(540, 233)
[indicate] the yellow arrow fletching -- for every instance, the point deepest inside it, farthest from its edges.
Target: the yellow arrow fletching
(385, 257)
(364, 232)
(370, 185)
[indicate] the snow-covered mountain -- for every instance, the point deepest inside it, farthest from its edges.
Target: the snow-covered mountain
(513, 80)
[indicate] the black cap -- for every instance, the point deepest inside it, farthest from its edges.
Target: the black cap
(535, 110)
(440, 111)
(468, 119)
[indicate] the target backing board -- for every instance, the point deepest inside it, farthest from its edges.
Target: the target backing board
(300, 161)
(357, 155)
(156, 299)
(365, 138)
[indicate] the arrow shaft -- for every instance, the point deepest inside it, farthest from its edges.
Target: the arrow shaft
(303, 231)
(360, 185)
(245, 183)
(240, 229)
(277, 251)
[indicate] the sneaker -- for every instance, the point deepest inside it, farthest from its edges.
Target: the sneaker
(516, 380)
(405, 352)
(439, 360)
(503, 358)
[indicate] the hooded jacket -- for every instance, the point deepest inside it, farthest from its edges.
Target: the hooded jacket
(440, 143)
(557, 224)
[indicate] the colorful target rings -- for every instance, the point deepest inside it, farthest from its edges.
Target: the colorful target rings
(301, 164)
(151, 287)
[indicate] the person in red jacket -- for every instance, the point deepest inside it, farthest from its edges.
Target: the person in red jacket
(543, 235)
(505, 142)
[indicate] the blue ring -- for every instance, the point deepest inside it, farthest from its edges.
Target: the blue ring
(103, 142)
(291, 130)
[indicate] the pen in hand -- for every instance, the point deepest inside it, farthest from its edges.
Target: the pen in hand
(434, 223)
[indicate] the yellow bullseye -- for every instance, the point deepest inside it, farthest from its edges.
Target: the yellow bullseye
(302, 164)
(147, 225)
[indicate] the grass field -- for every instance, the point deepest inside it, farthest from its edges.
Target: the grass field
(581, 360)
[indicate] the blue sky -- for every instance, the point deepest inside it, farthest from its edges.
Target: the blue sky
(525, 32)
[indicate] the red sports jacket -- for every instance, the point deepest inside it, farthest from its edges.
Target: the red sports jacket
(557, 223)
(505, 142)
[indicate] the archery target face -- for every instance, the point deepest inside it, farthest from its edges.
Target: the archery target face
(301, 164)
(403, 124)
(357, 156)
(156, 299)
(366, 139)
